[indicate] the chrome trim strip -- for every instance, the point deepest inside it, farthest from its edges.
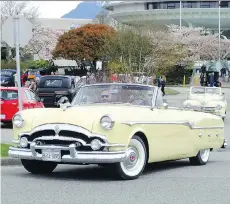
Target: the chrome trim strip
(189, 124)
(71, 139)
(93, 157)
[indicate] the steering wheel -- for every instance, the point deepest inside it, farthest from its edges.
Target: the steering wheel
(138, 99)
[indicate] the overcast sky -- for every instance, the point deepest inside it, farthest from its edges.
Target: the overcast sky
(54, 9)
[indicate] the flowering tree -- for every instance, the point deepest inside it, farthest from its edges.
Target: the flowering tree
(166, 53)
(199, 43)
(43, 42)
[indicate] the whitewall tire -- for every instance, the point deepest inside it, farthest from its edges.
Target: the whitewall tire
(135, 161)
(201, 158)
(38, 167)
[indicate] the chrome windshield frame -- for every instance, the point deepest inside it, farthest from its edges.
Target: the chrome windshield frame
(205, 90)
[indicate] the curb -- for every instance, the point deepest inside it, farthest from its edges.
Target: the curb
(10, 162)
(187, 86)
(172, 94)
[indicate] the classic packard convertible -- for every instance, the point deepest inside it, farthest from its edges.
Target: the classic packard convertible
(207, 99)
(118, 125)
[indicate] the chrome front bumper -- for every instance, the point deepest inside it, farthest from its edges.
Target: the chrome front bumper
(78, 157)
(225, 144)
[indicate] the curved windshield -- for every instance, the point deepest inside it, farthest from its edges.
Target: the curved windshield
(198, 90)
(205, 90)
(213, 91)
(115, 93)
(6, 73)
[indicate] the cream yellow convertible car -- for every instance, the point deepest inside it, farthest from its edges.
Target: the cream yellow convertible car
(207, 99)
(123, 126)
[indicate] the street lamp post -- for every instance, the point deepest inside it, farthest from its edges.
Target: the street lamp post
(180, 15)
(219, 28)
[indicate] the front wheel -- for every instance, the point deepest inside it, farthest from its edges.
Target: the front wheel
(38, 167)
(201, 158)
(135, 161)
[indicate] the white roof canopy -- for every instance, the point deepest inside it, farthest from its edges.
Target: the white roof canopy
(65, 63)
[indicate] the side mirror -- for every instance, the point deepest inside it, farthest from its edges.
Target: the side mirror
(63, 100)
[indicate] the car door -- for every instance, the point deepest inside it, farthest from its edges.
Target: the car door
(30, 101)
(35, 100)
(9, 104)
(171, 136)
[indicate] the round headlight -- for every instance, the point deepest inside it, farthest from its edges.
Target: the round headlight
(95, 144)
(18, 121)
(188, 105)
(106, 122)
(218, 107)
(23, 142)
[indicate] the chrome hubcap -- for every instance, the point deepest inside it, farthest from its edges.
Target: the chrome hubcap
(131, 158)
(204, 153)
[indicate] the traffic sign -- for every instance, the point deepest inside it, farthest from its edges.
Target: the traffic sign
(24, 31)
(17, 32)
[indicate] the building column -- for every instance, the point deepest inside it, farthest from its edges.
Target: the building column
(190, 25)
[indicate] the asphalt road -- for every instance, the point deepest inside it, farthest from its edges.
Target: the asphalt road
(163, 183)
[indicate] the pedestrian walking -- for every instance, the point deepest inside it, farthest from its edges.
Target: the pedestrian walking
(212, 80)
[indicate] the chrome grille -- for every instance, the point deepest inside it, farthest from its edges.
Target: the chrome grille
(64, 133)
(208, 109)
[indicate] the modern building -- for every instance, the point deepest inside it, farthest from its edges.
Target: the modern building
(159, 12)
(63, 23)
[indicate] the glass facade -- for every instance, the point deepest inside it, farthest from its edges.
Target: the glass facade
(186, 4)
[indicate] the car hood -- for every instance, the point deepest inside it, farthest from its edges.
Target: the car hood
(83, 116)
(206, 98)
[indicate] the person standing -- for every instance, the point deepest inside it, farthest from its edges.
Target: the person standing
(15, 80)
(163, 82)
(159, 81)
(33, 84)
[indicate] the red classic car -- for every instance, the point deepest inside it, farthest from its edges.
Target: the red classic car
(9, 102)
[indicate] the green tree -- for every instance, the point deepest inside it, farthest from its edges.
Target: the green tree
(130, 46)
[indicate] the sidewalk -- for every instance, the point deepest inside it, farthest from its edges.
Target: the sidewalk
(224, 85)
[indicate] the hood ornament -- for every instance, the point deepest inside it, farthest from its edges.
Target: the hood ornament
(65, 106)
(56, 130)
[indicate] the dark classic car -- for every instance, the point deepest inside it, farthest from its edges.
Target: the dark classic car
(7, 77)
(56, 89)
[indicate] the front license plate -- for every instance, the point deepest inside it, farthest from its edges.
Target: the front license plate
(48, 155)
(3, 116)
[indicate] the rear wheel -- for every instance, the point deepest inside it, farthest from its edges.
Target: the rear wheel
(135, 161)
(201, 158)
(38, 167)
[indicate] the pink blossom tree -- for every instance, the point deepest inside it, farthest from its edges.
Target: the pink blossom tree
(43, 42)
(199, 43)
